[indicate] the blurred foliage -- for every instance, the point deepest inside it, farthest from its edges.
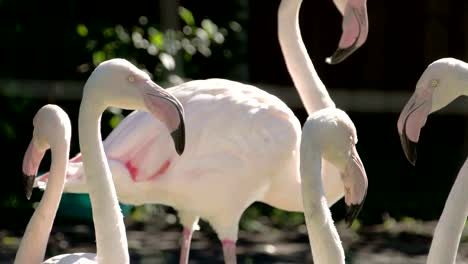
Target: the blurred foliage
(162, 54)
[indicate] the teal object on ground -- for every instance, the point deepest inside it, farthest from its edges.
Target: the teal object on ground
(78, 206)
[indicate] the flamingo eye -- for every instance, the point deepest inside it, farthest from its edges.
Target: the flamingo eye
(131, 78)
(434, 83)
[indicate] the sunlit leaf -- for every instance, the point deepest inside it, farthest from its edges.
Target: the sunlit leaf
(209, 27)
(115, 120)
(122, 34)
(236, 27)
(152, 50)
(158, 40)
(98, 57)
(82, 30)
(10, 241)
(167, 60)
(218, 38)
(186, 16)
(356, 225)
(143, 20)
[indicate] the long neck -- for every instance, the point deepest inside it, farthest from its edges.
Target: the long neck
(447, 234)
(111, 239)
(323, 236)
(312, 91)
(34, 242)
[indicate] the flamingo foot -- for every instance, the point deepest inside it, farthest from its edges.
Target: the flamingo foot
(185, 250)
(229, 251)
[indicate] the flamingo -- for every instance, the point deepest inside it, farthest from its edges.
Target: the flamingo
(442, 82)
(52, 130)
(253, 131)
(132, 89)
(355, 28)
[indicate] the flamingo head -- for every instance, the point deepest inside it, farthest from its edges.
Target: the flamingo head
(119, 83)
(51, 128)
(355, 28)
(436, 88)
(338, 138)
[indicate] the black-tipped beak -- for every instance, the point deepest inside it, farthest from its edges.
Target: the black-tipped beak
(341, 54)
(172, 116)
(409, 147)
(28, 184)
(178, 136)
(352, 211)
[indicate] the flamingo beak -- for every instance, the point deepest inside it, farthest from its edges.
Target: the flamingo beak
(355, 184)
(355, 29)
(31, 161)
(409, 147)
(165, 107)
(411, 120)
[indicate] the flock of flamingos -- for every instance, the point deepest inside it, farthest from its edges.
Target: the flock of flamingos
(211, 148)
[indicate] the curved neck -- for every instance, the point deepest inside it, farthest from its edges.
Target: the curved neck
(323, 236)
(34, 242)
(111, 239)
(449, 229)
(313, 93)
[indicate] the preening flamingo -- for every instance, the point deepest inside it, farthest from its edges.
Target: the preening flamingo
(442, 82)
(235, 134)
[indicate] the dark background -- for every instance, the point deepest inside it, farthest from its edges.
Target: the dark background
(40, 44)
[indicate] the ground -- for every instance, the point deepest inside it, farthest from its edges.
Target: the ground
(405, 242)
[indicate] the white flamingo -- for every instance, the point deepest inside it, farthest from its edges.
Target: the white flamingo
(52, 130)
(231, 126)
(131, 88)
(442, 82)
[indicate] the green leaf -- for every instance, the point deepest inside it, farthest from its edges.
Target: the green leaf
(82, 30)
(98, 57)
(10, 241)
(108, 32)
(210, 27)
(167, 60)
(186, 16)
(114, 121)
(158, 39)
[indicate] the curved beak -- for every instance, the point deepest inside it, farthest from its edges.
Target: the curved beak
(169, 110)
(355, 184)
(355, 29)
(31, 161)
(412, 119)
(409, 147)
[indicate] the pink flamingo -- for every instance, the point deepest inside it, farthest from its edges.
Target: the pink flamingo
(238, 135)
(442, 82)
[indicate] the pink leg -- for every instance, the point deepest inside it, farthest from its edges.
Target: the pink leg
(184, 252)
(229, 251)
